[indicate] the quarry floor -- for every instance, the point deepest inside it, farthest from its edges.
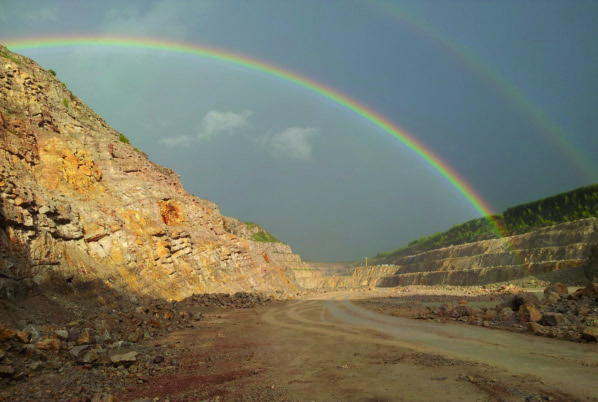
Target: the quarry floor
(328, 347)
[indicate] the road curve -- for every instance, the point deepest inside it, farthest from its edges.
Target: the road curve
(569, 367)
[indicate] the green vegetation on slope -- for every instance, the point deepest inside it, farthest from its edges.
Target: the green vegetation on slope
(565, 207)
(577, 204)
(261, 235)
(122, 138)
(474, 230)
(11, 57)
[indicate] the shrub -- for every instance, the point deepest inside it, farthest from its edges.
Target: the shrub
(124, 139)
(52, 72)
(65, 102)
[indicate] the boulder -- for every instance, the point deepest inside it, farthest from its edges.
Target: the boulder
(535, 328)
(84, 338)
(554, 319)
(557, 288)
(529, 313)
(62, 334)
(92, 356)
(6, 371)
(34, 334)
(551, 298)
(506, 314)
(104, 361)
(459, 311)
(136, 336)
(119, 344)
(591, 290)
(23, 336)
(73, 335)
(77, 350)
(124, 360)
(107, 338)
(584, 310)
(489, 315)
(7, 334)
(518, 300)
(49, 344)
(590, 334)
(35, 366)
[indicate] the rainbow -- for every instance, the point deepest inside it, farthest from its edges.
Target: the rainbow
(286, 75)
(505, 88)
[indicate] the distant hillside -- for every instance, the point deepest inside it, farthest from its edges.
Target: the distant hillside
(577, 204)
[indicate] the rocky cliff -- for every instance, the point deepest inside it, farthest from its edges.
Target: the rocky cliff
(554, 253)
(79, 203)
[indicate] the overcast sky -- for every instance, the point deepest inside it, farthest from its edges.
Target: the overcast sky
(505, 92)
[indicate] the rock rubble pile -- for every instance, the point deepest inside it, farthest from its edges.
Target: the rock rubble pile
(559, 315)
(108, 339)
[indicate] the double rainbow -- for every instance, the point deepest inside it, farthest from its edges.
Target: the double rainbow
(286, 75)
(501, 85)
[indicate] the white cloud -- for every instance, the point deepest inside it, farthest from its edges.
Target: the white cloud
(213, 123)
(292, 142)
(176, 141)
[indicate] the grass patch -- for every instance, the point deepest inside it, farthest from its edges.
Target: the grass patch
(261, 235)
(264, 237)
(65, 102)
(52, 72)
(124, 139)
(10, 57)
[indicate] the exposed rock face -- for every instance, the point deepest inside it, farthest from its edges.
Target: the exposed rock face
(77, 202)
(556, 253)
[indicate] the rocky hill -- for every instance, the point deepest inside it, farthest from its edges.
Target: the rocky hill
(78, 203)
(557, 253)
(577, 204)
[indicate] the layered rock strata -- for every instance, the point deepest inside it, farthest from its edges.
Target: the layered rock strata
(78, 202)
(555, 253)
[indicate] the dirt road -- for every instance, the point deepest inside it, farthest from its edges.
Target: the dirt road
(326, 348)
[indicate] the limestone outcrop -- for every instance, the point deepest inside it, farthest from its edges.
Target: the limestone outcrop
(79, 203)
(556, 254)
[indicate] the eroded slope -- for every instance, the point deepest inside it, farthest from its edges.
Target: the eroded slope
(78, 202)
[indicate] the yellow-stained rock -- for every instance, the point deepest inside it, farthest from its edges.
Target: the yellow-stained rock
(85, 206)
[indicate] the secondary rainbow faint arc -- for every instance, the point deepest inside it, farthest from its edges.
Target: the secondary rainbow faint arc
(508, 90)
(223, 55)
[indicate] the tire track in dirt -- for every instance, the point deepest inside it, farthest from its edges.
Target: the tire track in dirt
(566, 366)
